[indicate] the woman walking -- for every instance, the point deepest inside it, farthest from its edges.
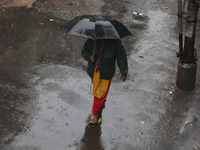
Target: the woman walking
(101, 68)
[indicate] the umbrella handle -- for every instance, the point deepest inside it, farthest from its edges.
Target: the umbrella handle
(94, 47)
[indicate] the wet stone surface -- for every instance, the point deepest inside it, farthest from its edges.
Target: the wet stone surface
(45, 97)
(16, 3)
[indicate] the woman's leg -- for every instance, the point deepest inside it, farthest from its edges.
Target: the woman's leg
(98, 105)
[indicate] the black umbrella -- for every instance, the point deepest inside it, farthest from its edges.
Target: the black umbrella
(96, 27)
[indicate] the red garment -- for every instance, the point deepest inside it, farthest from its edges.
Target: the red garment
(98, 103)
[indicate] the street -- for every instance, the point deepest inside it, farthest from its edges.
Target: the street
(45, 92)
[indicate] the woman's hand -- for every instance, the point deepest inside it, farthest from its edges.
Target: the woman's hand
(123, 77)
(92, 58)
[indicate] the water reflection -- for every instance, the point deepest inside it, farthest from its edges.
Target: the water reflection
(91, 139)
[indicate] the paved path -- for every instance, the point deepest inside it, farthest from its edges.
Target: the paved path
(45, 92)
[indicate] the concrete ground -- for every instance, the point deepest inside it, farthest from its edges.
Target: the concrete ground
(45, 96)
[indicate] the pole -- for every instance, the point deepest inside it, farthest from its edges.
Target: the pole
(94, 47)
(180, 25)
(187, 66)
(190, 34)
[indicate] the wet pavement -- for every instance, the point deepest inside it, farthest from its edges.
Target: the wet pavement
(45, 96)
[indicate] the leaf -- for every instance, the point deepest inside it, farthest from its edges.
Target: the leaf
(141, 56)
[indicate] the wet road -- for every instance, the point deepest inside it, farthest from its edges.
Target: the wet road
(45, 97)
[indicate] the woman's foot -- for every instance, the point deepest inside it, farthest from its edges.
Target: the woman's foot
(93, 118)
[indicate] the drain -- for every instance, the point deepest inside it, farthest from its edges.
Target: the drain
(70, 5)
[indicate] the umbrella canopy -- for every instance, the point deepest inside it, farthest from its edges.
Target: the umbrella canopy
(96, 27)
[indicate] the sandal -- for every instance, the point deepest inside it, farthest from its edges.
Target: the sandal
(100, 120)
(93, 118)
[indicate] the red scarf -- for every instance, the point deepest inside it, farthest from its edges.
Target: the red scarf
(101, 47)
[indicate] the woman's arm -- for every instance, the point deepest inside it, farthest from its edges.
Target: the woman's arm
(121, 59)
(86, 51)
